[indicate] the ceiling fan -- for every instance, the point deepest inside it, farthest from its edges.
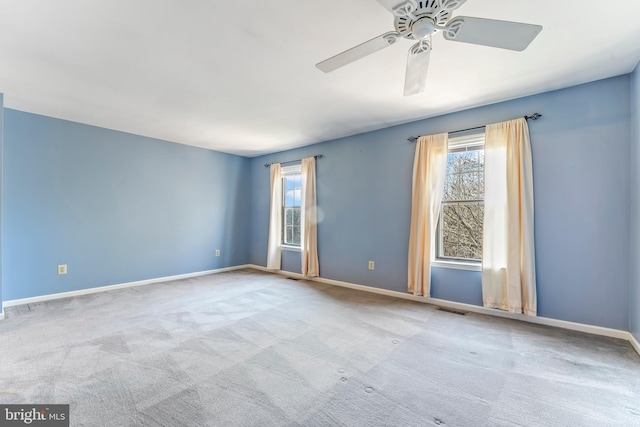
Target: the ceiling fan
(419, 20)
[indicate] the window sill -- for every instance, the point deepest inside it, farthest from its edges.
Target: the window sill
(291, 248)
(457, 265)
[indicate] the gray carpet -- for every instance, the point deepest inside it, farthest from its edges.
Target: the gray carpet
(248, 348)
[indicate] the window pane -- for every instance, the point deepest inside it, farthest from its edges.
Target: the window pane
(292, 190)
(289, 216)
(464, 180)
(449, 231)
(296, 217)
(298, 190)
(468, 243)
(292, 200)
(462, 230)
(288, 234)
(468, 161)
(469, 186)
(449, 187)
(480, 216)
(451, 160)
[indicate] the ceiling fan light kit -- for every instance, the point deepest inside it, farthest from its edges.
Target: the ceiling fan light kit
(419, 20)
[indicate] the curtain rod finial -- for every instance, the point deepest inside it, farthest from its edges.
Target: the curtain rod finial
(534, 116)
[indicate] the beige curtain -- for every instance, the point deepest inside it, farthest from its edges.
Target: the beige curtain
(308, 216)
(429, 170)
(275, 219)
(508, 258)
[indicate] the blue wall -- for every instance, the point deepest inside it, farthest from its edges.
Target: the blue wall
(580, 149)
(118, 207)
(634, 300)
(1, 164)
(113, 206)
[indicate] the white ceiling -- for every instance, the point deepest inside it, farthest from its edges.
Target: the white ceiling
(238, 76)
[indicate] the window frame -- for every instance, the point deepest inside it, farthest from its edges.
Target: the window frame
(461, 142)
(286, 171)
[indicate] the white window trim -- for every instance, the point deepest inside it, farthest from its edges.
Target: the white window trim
(457, 265)
(293, 169)
(460, 143)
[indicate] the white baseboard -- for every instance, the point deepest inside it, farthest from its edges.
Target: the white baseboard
(634, 342)
(595, 330)
(49, 297)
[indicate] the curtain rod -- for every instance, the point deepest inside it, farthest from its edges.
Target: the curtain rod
(534, 116)
(317, 156)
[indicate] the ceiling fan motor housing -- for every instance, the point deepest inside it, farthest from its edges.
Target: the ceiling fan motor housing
(424, 19)
(422, 28)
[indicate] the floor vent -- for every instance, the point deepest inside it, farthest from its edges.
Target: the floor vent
(454, 311)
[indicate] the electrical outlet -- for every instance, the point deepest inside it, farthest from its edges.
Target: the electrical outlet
(372, 265)
(217, 252)
(62, 269)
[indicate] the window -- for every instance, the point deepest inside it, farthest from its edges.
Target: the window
(462, 208)
(291, 203)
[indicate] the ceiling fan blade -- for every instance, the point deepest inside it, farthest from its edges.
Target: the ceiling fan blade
(358, 52)
(417, 65)
(452, 4)
(490, 32)
(392, 5)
